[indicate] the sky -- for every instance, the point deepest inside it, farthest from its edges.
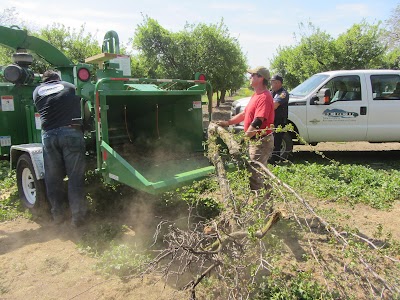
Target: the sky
(261, 27)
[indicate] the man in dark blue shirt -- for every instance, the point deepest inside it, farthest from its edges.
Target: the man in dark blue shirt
(281, 102)
(63, 146)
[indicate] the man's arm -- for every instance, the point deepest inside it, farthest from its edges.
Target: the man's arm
(276, 105)
(235, 120)
(252, 130)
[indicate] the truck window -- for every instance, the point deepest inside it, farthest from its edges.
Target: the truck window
(308, 86)
(345, 88)
(385, 87)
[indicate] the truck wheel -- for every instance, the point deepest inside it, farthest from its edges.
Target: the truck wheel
(286, 146)
(32, 191)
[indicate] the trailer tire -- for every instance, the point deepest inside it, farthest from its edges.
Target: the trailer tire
(32, 191)
(286, 146)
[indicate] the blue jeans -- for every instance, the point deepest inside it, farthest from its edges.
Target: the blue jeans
(64, 154)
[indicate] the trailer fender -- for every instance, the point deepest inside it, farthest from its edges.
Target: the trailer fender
(35, 151)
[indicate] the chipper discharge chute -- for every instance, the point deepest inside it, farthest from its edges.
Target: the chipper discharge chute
(149, 133)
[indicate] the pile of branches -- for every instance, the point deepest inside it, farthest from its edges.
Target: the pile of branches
(276, 233)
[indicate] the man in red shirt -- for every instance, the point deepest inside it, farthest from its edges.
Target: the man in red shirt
(258, 118)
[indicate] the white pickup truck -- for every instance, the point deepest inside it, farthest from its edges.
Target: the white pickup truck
(341, 106)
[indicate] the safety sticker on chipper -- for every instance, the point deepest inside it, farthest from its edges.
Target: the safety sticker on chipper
(5, 141)
(7, 103)
(38, 122)
(196, 104)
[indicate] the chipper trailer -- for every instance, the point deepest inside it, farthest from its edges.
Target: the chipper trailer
(145, 133)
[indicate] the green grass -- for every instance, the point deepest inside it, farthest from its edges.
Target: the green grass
(122, 260)
(7, 178)
(301, 286)
(199, 195)
(98, 239)
(349, 183)
(10, 206)
(113, 257)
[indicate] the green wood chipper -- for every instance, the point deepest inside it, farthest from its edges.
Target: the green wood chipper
(145, 133)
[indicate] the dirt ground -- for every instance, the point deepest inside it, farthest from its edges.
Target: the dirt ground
(39, 262)
(44, 262)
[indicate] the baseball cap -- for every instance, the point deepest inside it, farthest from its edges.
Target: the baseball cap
(50, 75)
(277, 77)
(261, 71)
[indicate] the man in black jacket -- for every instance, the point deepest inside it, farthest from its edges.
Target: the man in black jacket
(63, 146)
(281, 102)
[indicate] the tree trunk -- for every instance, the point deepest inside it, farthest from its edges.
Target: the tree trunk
(223, 93)
(218, 99)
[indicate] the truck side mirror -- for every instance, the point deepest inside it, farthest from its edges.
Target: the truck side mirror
(323, 97)
(314, 100)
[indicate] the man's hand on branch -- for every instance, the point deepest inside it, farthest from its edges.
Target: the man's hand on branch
(223, 123)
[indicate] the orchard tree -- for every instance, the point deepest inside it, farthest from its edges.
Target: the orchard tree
(196, 48)
(392, 35)
(221, 57)
(157, 46)
(8, 17)
(314, 53)
(287, 64)
(392, 39)
(392, 59)
(360, 47)
(76, 45)
(138, 66)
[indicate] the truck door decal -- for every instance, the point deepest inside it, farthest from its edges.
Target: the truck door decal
(338, 114)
